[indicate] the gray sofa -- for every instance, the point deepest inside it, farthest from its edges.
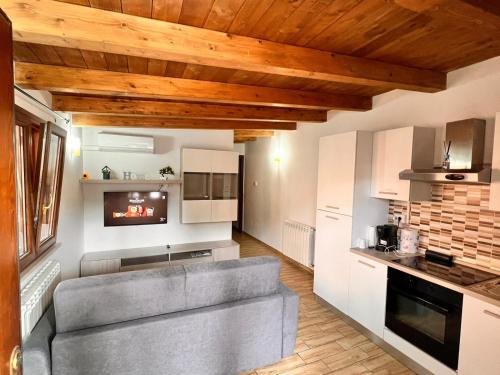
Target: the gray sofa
(207, 318)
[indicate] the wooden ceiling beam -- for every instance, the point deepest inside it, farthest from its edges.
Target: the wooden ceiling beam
(244, 139)
(66, 25)
(245, 133)
(91, 120)
(106, 105)
(100, 82)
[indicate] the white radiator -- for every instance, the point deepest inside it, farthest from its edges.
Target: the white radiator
(37, 295)
(298, 242)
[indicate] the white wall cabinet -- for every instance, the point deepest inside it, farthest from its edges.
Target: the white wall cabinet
(331, 270)
(336, 166)
(479, 345)
(367, 293)
(209, 190)
(395, 150)
(495, 169)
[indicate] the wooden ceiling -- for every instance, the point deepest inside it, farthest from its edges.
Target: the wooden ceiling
(346, 51)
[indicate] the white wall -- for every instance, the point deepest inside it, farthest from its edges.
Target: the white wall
(69, 247)
(168, 149)
(287, 190)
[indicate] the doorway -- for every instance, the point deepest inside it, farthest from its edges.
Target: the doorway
(238, 224)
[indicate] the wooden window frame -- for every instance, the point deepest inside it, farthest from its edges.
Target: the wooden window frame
(35, 157)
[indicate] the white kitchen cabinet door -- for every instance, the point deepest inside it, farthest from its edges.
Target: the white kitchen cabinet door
(224, 161)
(196, 211)
(392, 153)
(224, 210)
(495, 166)
(336, 168)
(367, 293)
(479, 338)
(195, 160)
(331, 258)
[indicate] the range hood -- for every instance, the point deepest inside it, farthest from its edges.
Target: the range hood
(465, 140)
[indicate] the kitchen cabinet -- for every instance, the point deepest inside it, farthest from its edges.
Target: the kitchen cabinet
(479, 348)
(395, 150)
(332, 249)
(367, 293)
(495, 169)
(210, 186)
(336, 167)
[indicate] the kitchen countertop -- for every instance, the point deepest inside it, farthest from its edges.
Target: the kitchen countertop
(487, 291)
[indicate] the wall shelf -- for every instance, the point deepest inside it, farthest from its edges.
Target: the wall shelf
(131, 182)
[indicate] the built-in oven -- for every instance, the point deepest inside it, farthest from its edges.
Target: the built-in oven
(425, 314)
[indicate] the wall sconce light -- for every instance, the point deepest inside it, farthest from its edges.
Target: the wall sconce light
(75, 146)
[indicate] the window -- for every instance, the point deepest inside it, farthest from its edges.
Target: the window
(39, 166)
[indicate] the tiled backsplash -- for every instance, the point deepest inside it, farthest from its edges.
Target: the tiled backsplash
(457, 221)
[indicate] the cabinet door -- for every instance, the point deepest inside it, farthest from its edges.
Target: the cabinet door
(331, 258)
(392, 153)
(495, 173)
(195, 160)
(224, 210)
(479, 347)
(336, 167)
(367, 293)
(225, 162)
(196, 211)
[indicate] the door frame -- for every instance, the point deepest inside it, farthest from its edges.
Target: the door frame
(10, 322)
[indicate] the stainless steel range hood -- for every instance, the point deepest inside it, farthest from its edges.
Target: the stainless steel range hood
(466, 155)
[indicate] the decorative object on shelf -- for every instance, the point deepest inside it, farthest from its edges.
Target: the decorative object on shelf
(127, 175)
(165, 172)
(85, 176)
(106, 173)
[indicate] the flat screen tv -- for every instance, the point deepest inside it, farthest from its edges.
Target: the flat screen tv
(135, 208)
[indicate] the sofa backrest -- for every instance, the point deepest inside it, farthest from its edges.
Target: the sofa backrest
(105, 299)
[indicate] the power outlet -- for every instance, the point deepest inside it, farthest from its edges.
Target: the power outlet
(399, 217)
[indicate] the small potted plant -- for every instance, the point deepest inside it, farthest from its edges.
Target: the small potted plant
(166, 172)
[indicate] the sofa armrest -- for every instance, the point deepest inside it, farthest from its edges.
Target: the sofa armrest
(290, 319)
(36, 348)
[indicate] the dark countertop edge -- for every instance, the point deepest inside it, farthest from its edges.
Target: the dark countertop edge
(386, 259)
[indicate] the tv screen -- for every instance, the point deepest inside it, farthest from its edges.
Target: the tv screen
(135, 208)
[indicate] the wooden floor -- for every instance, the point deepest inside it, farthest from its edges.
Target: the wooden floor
(326, 344)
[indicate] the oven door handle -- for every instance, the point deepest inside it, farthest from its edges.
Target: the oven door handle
(421, 300)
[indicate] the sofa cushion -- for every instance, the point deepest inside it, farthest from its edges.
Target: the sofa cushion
(233, 280)
(215, 340)
(105, 299)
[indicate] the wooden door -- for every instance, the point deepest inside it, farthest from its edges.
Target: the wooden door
(9, 268)
(336, 167)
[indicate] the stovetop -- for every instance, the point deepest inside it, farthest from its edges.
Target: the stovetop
(455, 273)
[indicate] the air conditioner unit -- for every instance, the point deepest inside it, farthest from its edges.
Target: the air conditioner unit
(125, 143)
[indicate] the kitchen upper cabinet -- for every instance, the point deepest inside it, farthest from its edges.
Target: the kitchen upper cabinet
(495, 169)
(367, 293)
(331, 262)
(395, 150)
(479, 346)
(336, 167)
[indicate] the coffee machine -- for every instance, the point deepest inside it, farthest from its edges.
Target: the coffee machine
(387, 236)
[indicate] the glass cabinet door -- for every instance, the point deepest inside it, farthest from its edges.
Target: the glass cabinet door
(196, 186)
(224, 186)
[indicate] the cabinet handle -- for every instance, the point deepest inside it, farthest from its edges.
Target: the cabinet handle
(333, 207)
(366, 264)
(490, 313)
(387, 192)
(332, 217)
